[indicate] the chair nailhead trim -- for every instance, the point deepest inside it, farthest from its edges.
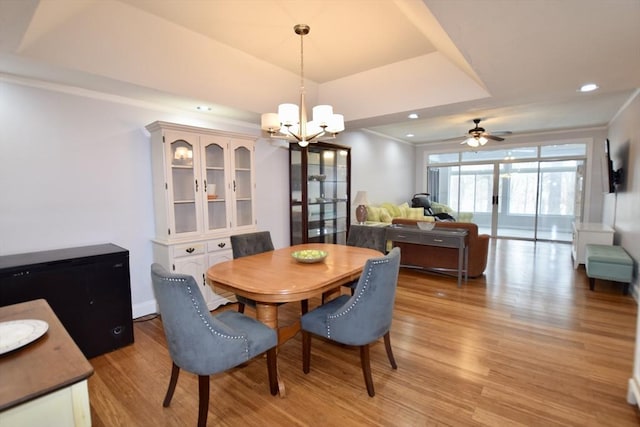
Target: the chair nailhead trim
(205, 320)
(358, 297)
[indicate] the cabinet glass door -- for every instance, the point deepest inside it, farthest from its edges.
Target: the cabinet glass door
(183, 186)
(298, 193)
(242, 188)
(215, 185)
(327, 189)
(319, 183)
(341, 196)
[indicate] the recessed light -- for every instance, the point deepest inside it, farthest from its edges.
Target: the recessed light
(203, 108)
(413, 116)
(589, 87)
(409, 135)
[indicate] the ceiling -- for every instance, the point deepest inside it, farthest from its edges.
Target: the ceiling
(515, 64)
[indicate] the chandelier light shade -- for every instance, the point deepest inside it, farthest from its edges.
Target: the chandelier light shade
(290, 122)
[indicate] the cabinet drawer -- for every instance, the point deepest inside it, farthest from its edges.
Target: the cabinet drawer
(403, 236)
(218, 244)
(188, 249)
(440, 240)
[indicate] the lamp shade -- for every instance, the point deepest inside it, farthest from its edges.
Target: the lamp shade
(322, 114)
(361, 198)
(289, 114)
(270, 122)
(336, 124)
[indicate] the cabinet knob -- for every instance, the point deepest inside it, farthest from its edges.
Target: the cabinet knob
(190, 250)
(222, 244)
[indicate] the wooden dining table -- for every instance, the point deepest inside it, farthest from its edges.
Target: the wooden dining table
(44, 382)
(274, 277)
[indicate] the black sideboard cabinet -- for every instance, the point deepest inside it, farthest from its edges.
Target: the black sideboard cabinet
(89, 289)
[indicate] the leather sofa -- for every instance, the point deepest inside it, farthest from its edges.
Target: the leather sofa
(435, 258)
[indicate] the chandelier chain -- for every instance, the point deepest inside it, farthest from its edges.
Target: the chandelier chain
(302, 61)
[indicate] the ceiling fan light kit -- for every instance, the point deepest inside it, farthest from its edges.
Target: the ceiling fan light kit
(290, 122)
(478, 136)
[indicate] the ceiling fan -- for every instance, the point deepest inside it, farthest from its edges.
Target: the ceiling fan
(478, 136)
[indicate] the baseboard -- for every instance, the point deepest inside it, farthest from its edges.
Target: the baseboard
(147, 307)
(633, 394)
(150, 307)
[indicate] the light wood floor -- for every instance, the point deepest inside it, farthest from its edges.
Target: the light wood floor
(527, 344)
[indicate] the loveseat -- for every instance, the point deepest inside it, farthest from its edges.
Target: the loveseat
(432, 257)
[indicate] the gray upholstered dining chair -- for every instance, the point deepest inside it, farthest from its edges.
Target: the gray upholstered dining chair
(363, 236)
(250, 244)
(204, 344)
(359, 319)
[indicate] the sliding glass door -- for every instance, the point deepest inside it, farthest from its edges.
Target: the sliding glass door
(560, 201)
(516, 200)
(522, 193)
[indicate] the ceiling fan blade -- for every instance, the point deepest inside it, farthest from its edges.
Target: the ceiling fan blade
(493, 137)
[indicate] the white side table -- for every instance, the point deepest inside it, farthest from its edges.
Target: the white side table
(585, 233)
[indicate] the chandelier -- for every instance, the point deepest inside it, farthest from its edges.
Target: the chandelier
(290, 122)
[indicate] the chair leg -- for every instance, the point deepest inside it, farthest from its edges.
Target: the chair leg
(175, 371)
(366, 369)
(387, 346)
(272, 369)
(306, 351)
(240, 307)
(203, 405)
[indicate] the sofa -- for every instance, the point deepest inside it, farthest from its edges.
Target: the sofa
(435, 258)
(387, 212)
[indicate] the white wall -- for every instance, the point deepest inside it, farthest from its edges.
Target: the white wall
(382, 167)
(624, 137)
(75, 170)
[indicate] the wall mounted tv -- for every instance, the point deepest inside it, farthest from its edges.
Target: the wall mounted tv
(611, 178)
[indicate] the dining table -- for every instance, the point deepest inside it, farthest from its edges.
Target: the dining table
(274, 277)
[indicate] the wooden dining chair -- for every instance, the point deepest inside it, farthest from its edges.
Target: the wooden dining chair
(360, 319)
(204, 344)
(250, 244)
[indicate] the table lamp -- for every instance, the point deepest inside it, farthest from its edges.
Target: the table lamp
(361, 211)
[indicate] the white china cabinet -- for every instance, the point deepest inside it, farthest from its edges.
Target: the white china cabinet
(203, 191)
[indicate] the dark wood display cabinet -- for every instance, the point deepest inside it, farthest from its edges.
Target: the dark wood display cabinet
(320, 177)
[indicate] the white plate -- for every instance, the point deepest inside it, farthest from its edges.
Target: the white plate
(17, 333)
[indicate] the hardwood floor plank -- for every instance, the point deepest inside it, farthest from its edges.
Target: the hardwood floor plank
(527, 344)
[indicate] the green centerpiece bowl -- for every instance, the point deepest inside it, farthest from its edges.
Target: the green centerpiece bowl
(309, 256)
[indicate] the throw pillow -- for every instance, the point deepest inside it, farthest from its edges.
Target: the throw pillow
(440, 208)
(414, 213)
(373, 213)
(394, 210)
(385, 216)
